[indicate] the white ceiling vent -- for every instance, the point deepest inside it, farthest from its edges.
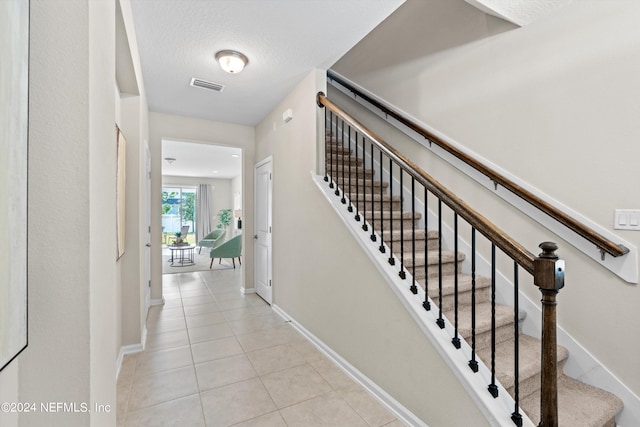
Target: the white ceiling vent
(206, 85)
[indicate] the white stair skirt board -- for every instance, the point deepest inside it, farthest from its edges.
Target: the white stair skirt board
(580, 364)
(497, 411)
(382, 396)
(626, 266)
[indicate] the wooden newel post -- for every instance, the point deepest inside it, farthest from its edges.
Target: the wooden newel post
(549, 277)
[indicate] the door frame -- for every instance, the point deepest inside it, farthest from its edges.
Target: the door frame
(269, 208)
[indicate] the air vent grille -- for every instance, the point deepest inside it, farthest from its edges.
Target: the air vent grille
(206, 85)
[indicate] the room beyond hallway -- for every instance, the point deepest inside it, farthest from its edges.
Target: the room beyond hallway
(216, 357)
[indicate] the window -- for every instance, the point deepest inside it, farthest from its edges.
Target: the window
(178, 209)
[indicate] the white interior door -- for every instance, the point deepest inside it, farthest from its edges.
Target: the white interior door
(262, 243)
(147, 229)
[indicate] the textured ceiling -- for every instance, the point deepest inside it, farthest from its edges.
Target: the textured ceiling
(519, 12)
(283, 39)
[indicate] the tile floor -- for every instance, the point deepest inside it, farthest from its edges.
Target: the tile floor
(216, 357)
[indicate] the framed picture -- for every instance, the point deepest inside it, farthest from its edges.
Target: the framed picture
(120, 190)
(14, 127)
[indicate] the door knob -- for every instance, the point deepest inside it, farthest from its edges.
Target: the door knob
(148, 245)
(255, 237)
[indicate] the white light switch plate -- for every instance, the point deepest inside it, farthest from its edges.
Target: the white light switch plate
(627, 219)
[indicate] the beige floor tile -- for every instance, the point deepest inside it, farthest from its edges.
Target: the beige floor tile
(272, 419)
(162, 387)
(172, 300)
(396, 423)
(160, 325)
(163, 360)
(294, 385)
(128, 369)
(275, 359)
(228, 295)
(167, 340)
(222, 372)
(197, 300)
(254, 324)
(192, 310)
(264, 339)
(366, 406)
(201, 291)
(186, 411)
(328, 410)
(159, 311)
(334, 375)
(239, 313)
(205, 319)
(209, 332)
(215, 349)
(231, 304)
(235, 403)
(308, 350)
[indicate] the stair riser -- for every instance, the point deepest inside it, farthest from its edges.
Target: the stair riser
(337, 173)
(361, 183)
(386, 224)
(447, 270)
(432, 244)
(377, 205)
(464, 298)
(338, 159)
(531, 385)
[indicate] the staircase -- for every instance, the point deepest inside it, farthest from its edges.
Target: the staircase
(437, 268)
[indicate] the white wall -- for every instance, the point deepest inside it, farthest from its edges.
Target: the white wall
(133, 123)
(206, 132)
(556, 104)
(72, 306)
(323, 279)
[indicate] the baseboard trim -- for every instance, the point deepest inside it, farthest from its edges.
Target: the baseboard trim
(125, 350)
(157, 301)
(382, 396)
(247, 290)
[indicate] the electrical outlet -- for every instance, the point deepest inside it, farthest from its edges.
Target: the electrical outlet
(627, 219)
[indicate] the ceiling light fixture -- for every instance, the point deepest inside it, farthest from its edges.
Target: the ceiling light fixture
(170, 159)
(231, 61)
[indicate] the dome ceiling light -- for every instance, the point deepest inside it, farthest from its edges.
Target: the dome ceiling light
(231, 61)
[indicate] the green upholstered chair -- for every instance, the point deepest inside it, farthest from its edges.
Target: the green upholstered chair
(211, 239)
(231, 248)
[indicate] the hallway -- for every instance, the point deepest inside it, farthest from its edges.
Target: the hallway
(215, 357)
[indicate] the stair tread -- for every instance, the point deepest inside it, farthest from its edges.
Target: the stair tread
(579, 404)
(395, 214)
(420, 234)
(528, 361)
(504, 316)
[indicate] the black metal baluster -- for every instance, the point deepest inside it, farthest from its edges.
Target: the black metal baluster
(456, 340)
(392, 260)
(327, 125)
(473, 363)
(373, 204)
(365, 227)
(357, 217)
(493, 388)
(440, 321)
(516, 417)
(381, 231)
(426, 304)
(331, 171)
(350, 208)
(413, 288)
(338, 155)
(402, 273)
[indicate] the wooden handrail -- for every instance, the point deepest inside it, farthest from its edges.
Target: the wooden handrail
(512, 248)
(603, 243)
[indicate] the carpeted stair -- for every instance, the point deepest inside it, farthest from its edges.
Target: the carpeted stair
(580, 405)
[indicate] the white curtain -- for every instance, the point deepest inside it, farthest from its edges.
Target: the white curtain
(204, 214)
